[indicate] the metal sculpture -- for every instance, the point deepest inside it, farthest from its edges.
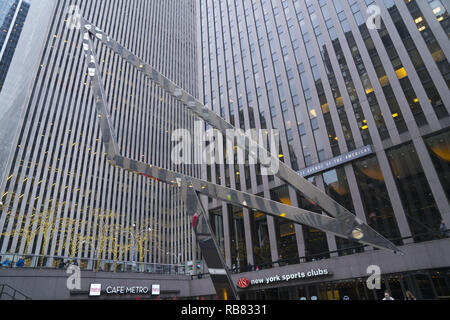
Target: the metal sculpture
(341, 222)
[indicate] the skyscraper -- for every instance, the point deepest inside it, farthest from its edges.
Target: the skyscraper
(60, 196)
(362, 109)
(12, 17)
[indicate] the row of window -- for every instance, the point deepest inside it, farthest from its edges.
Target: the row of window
(350, 110)
(419, 206)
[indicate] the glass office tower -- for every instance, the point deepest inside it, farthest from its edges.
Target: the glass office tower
(318, 71)
(60, 196)
(12, 16)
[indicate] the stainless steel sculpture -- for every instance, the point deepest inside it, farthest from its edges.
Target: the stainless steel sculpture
(341, 222)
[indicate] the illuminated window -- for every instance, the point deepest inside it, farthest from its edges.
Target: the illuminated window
(401, 73)
(384, 80)
(339, 101)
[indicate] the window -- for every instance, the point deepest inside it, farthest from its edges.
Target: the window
(336, 186)
(375, 198)
(285, 230)
(237, 238)
(420, 208)
(439, 149)
(260, 238)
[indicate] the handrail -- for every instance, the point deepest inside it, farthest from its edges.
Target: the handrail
(327, 254)
(181, 269)
(33, 261)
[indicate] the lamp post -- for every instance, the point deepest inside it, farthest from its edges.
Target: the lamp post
(95, 252)
(176, 256)
(178, 265)
(4, 206)
(134, 235)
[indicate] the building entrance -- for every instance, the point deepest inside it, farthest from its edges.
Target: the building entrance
(423, 284)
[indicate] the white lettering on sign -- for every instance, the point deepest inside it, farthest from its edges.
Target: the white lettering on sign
(126, 290)
(336, 161)
(292, 276)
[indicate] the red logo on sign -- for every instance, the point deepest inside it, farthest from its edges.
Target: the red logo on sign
(243, 283)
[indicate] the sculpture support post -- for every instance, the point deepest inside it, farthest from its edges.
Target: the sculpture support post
(214, 260)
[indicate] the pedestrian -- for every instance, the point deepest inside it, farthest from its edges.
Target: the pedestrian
(6, 263)
(443, 229)
(387, 296)
(410, 296)
(20, 263)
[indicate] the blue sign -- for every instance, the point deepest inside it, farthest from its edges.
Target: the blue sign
(336, 161)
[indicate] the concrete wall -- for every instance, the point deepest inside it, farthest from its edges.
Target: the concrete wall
(48, 284)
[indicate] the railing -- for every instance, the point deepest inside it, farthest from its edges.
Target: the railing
(435, 235)
(19, 261)
(9, 293)
(10, 260)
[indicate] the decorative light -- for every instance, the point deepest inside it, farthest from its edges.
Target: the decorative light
(357, 234)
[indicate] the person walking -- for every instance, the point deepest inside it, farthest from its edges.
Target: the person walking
(20, 263)
(387, 296)
(7, 263)
(443, 230)
(410, 296)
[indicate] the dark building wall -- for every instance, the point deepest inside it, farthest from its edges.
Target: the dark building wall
(52, 284)
(315, 71)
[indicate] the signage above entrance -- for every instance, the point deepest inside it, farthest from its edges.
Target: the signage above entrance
(244, 282)
(96, 290)
(336, 161)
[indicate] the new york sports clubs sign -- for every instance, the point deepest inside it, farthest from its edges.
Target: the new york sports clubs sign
(245, 282)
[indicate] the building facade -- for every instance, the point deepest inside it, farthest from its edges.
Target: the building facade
(359, 91)
(12, 17)
(60, 197)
